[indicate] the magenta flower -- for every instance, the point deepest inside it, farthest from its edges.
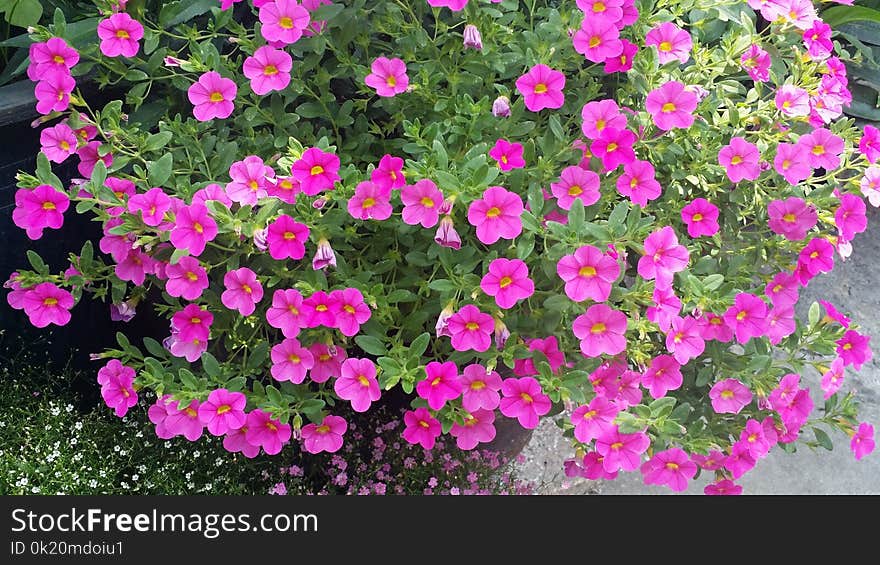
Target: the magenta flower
(524, 400)
(454, 5)
(388, 76)
(328, 361)
(597, 39)
(441, 384)
(283, 21)
(183, 421)
(421, 428)
(601, 330)
(684, 339)
(623, 62)
(357, 383)
(576, 183)
(672, 43)
(621, 451)
(817, 257)
(608, 9)
(324, 437)
(541, 87)
(389, 174)
(670, 468)
(47, 304)
(370, 202)
(791, 217)
(854, 348)
(780, 323)
(496, 215)
(52, 55)
(478, 427)
(588, 273)
(250, 180)
(349, 310)
(287, 238)
(792, 101)
(723, 487)
(283, 187)
(671, 106)
(120, 35)
(243, 291)
(324, 256)
(479, 388)
(192, 322)
(508, 281)
(869, 143)
(320, 309)
(729, 396)
(614, 147)
(193, 228)
(152, 205)
(740, 160)
(89, 156)
(663, 375)
(235, 441)
(755, 440)
(823, 149)
(291, 361)
(508, 155)
(471, 329)
(666, 307)
(53, 91)
(594, 419)
(711, 462)
(223, 411)
(862, 442)
(158, 414)
(286, 312)
(269, 434)
(549, 347)
(757, 63)
(39, 208)
(187, 279)
(268, 69)
(701, 217)
(122, 189)
(850, 217)
(638, 183)
(116, 386)
(601, 114)
(212, 96)
(663, 257)
(421, 202)
(58, 142)
(832, 313)
(747, 316)
(316, 170)
(792, 402)
(740, 460)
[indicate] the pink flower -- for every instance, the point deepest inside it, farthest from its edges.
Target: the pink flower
(782, 290)
(854, 348)
(672, 105)
(122, 189)
(780, 323)
(152, 205)
(671, 468)
(286, 312)
(446, 234)
(869, 143)
(349, 310)
(508, 281)
(792, 101)
(621, 451)
(667, 306)
(478, 427)
(268, 69)
(89, 156)
(52, 55)
(791, 217)
(471, 329)
(850, 216)
(53, 91)
(389, 174)
(283, 21)
(588, 273)
(58, 142)
(823, 149)
(862, 442)
(755, 440)
(250, 180)
(39, 208)
(870, 185)
(212, 96)
(158, 414)
(471, 38)
(287, 238)
(316, 171)
(601, 114)
(576, 183)
(701, 217)
(192, 322)
(324, 437)
(594, 469)
(757, 63)
(243, 291)
(388, 76)
(421, 428)
(663, 375)
(370, 202)
(711, 462)
(601, 330)
(594, 419)
(315, 27)
(638, 183)
(454, 5)
(608, 9)
(291, 361)
(357, 383)
(832, 313)
(524, 400)
(496, 215)
(328, 361)
(541, 87)
(223, 411)
(120, 35)
(817, 257)
(740, 160)
(47, 304)
(193, 228)
(324, 256)
(672, 43)
(320, 309)
(508, 155)
(747, 316)
(614, 147)
(269, 434)
(440, 385)
(182, 421)
(791, 162)
(663, 257)
(187, 279)
(116, 387)
(598, 39)
(723, 487)
(740, 460)
(729, 396)
(792, 402)
(235, 441)
(479, 388)
(623, 62)
(422, 203)
(283, 187)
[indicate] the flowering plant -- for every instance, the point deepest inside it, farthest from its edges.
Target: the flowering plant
(609, 205)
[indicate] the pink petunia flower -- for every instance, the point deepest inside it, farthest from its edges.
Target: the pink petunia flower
(701, 217)
(576, 183)
(524, 400)
(791, 217)
(792, 402)
(478, 427)
(320, 309)
(250, 180)
(870, 185)
(328, 361)
(39, 208)
(316, 171)
(597, 39)
(638, 183)
(780, 323)
(666, 307)
(349, 310)
(614, 147)
(671, 106)
(187, 279)
(684, 339)
(120, 34)
(862, 442)
(588, 273)
(817, 257)
(671, 468)
(283, 21)
(594, 469)
(663, 257)
(471, 329)
(715, 328)
(441, 384)
(446, 234)
(549, 346)
(541, 87)
(869, 143)
(324, 256)
(508, 282)
(792, 101)
(193, 322)
(243, 291)
(854, 348)
(823, 149)
(594, 419)
(268, 433)
(621, 451)
(454, 5)
(479, 388)
(624, 61)
(268, 69)
(212, 96)
(601, 330)
(58, 142)
(89, 155)
(193, 228)
(508, 155)
(729, 396)
(496, 215)
(357, 383)
(755, 440)
(370, 202)
(421, 428)
(663, 375)
(291, 361)
(850, 217)
(158, 413)
(52, 55)
(388, 77)
(672, 43)
(609, 9)
(421, 202)
(286, 312)
(832, 313)
(740, 160)
(287, 238)
(711, 462)
(235, 441)
(116, 386)
(183, 421)
(723, 487)
(223, 411)
(53, 91)
(792, 163)
(324, 437)
(747, 316)
(389, 175)
(601, 114)
(740, 460)
(757, 63)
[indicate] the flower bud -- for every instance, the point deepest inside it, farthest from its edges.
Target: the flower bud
(260, 241)
(501, 107)
(442, 327)
(446, 234)
(122, 312)
(472, 37)
(324, 256)
(501, 334)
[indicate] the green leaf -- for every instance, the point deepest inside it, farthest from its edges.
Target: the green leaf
(442, 285)
(274, 395)
(576, 216)
(258, 356)
(837, 15)
(176, 256)
(419, 345)
(158, 141)
(556, 127)
(371, 345)
(823, 439)
(37, 262)
(188, 379)
(23, 13)
(210, 365)
(160, 170)
(813, 315)
(185, 10)
(154, 347)
(99, 175)
(662, 407)
(311, 110)
(440, 154)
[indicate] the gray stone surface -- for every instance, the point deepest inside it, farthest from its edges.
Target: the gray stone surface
(853, 287)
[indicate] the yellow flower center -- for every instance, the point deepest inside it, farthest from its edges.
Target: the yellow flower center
(54, 301)
(472, 326)
(575, 190)
(786, 164)
(271, 426)
(391, 81)
(587, 271)
(598, 328)
(198, 227)
(223, 409)
(589, 415)
(122, 34)
(322, 429)
(493, 212)
(369, 203)
(216, 97)
(697, 217)
(64, 145)
(616, 445)
(526, 397)
(289, 235)
(818, 150)
(665, 46)
(598, 7)
(246, 288)
(478, 385)
(600, 125)
(672, 466)
(190, 412)
(728, 394)
(321, 308)
(790, 218)
(48, 206)
(427, 202)
(195, 320)
(349, 308)
(540, 88)
(736, 160)
(293, 310)
(270, 70)
(424, 424)
(505, 282)
(286, 22)
(293, 358)
(595, 41)
(611, 147)
(58, 59)
(847, 346)
(316, 170)
(192, 276)
(741, 315)
(668, 107)
(365, 382)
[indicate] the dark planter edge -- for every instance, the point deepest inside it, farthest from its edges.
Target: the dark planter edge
(17, 103)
